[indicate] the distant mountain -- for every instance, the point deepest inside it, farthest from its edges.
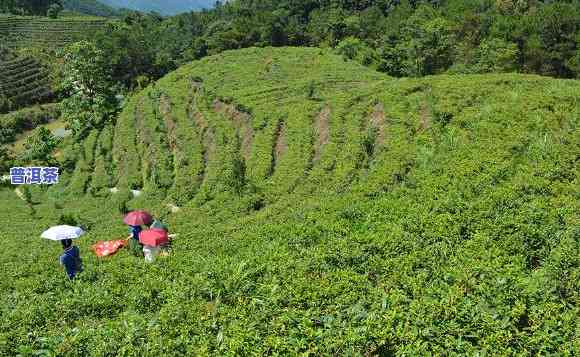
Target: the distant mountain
(164, 7)
(90, 7)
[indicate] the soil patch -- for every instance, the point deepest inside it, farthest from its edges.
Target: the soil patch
(378, 123)
(322, 131)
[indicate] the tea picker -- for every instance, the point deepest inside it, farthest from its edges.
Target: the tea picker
(154, 240)
(135, 220)
(70, 259)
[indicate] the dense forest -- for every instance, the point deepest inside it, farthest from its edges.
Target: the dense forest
(400, 38)
(28, 7)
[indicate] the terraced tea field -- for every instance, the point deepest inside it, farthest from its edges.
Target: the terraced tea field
(23, 82)
(25, 31)
(326, 209)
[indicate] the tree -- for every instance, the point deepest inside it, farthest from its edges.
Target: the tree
(496, 55)
(6, 160)
(553, 40)
(39, 147)
(29, 7)
(493, 55)
(54, 9)
(92, 102)
(427, 43)
(355, 49)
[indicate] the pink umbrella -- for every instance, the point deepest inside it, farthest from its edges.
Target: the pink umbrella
(137, 218)
(154, 237)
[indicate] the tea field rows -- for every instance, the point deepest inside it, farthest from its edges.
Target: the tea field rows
(326, 209)
(26, 31)
(23, 82)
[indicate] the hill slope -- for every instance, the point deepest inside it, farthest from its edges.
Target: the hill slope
(23, 81)
(90, 7)
(19, 31)
(325, 209)
(167, 7)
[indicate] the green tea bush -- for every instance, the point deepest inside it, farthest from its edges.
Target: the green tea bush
(100, 182)
(26, 119)
(455, 235)
(90, 145)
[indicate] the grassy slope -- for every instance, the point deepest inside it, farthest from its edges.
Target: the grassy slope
(451, 224)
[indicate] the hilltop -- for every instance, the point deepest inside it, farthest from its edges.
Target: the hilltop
(325, 209)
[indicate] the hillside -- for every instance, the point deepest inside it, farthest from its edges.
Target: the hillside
(325, 209)
(25, 31)
(23, 82)
(166, 7)
(90, 7)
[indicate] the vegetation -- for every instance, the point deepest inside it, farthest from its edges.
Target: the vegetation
(166, 7)
(90, 101)
(26, 119)
(326, 209)
(23, 81)
(90, 7)
(39, 147)
(401, 38)
(27, 7)
(47, 33)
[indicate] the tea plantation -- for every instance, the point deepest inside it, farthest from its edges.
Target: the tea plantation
(23, 81)
(325, 209)
(31, 31)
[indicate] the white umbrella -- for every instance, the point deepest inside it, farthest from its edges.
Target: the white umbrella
(63, 232)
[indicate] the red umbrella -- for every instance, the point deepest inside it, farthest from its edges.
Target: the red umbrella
(137, 218)
(154, 237)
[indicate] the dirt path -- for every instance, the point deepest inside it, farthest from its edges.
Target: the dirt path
(142, 130)
(206, 135)
(322, 132)
(378, 123)
(280, 146)
(148, 155)
(165, 110)
(243, 123)
(425, 122)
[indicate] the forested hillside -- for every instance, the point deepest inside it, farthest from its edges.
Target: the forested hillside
(324, 209)
(400, 38)
(27, 7)
(165, 7)
(90, 7)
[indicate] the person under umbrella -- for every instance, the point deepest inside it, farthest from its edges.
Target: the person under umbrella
(71, 257)
(135, 220)
(153, 240)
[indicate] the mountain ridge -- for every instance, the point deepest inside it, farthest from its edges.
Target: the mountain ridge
(168, 7)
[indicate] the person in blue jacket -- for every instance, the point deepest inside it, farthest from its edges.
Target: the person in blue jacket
(135, 230)
(134, 245)
(71, 259)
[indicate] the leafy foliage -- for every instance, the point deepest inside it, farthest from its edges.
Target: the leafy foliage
(39, 147)
(91, 102)
(27, 7)
(401, 38)
(15, 123)
(314, 226)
